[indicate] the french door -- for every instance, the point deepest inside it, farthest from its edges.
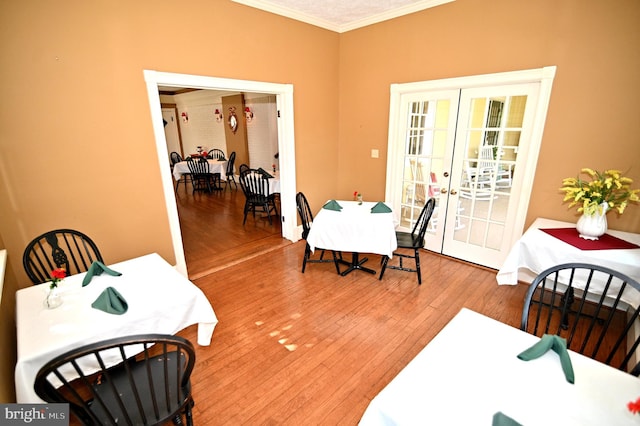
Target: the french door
(474, 149)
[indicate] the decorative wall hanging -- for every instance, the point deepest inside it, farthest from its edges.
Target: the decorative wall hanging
(218, 115)
(233, 120)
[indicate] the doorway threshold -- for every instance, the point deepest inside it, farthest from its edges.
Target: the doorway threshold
(240, 254)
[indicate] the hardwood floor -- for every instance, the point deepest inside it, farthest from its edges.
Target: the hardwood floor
(312, 348)
(212, 232)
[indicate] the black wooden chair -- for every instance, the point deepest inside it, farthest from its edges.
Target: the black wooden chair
(131, 380)
(306, 217)
(412, 241)
(583, 303)
(175, 158)
(216, 154)
(231, 178)
(256, 191)
(61, 248)
(201, 179)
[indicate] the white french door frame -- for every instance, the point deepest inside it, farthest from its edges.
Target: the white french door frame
(397, 130)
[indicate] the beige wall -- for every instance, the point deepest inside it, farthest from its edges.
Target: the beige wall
(592, 119)
(76, 142)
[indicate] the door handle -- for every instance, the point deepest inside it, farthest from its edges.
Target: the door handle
(445, 174)
(454, 192)
(443, 191)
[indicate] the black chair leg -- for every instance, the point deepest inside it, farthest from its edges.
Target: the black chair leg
(307, 252)
(384, 261)
(268, 210)
(417, 253)
(246, 212)
(335, 261)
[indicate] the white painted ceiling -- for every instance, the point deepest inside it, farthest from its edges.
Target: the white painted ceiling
(342, 15)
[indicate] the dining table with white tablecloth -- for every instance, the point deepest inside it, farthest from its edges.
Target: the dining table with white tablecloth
(215, 166)
(274, 183)
(159, 300)
(470, 374)
(544, 245)
(354, 228)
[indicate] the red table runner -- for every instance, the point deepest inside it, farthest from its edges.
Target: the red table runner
(605, 242)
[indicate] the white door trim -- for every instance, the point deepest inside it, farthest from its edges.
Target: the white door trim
(544, 76)
(286, 142)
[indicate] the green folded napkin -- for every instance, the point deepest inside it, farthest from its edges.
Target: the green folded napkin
(559, 346)
(501, 419)
(111, 302)
(264, 173)
(332, 205)
(380, 207)
(97, 268)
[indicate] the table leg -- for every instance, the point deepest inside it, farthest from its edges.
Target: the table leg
(356, 263)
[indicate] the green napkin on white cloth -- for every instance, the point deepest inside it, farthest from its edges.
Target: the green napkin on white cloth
(264, 173)
(111, 302)
(380, 207)
(332, 205)
(559, 346)
(98, 268)
(501, 419)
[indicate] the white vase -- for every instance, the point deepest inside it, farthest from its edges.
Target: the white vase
(53, 299)
(591, 227)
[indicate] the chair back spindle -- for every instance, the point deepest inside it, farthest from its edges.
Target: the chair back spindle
(61, 248)
(593, 307)
(134, 380)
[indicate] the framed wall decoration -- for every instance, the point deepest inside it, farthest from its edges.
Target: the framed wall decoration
(233, 120)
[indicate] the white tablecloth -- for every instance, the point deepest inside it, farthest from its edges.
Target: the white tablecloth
(274, 183)
(536, 251)
(354, 229)
(470, 371)
(160, 300)
(215, 166)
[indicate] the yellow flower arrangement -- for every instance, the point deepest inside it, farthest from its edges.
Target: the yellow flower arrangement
(605, 187)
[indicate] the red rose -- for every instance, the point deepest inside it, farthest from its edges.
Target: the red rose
(59, 273)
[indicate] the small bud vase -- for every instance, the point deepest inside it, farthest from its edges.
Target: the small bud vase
(593, 226)
(53, 299)
(359, 199)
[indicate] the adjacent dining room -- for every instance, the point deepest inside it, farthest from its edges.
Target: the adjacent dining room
(220, 131)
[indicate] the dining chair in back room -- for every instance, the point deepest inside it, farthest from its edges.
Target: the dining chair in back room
(256, 191)
(230, 172)
(201, 178)
(186, 177)
(216, 154)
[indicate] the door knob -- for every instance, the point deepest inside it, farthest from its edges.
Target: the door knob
(454, 192)
(443, 191)
(445, 174)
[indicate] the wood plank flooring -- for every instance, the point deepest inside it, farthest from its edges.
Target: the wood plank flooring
(312, 348)
(212, 232)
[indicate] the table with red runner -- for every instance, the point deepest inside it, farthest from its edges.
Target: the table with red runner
(605, 242)
(549, 243)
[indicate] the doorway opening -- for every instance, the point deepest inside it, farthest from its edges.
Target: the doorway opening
(286, 144)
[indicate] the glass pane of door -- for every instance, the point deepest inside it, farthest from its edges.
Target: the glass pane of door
(426, 157)
(488, 140)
